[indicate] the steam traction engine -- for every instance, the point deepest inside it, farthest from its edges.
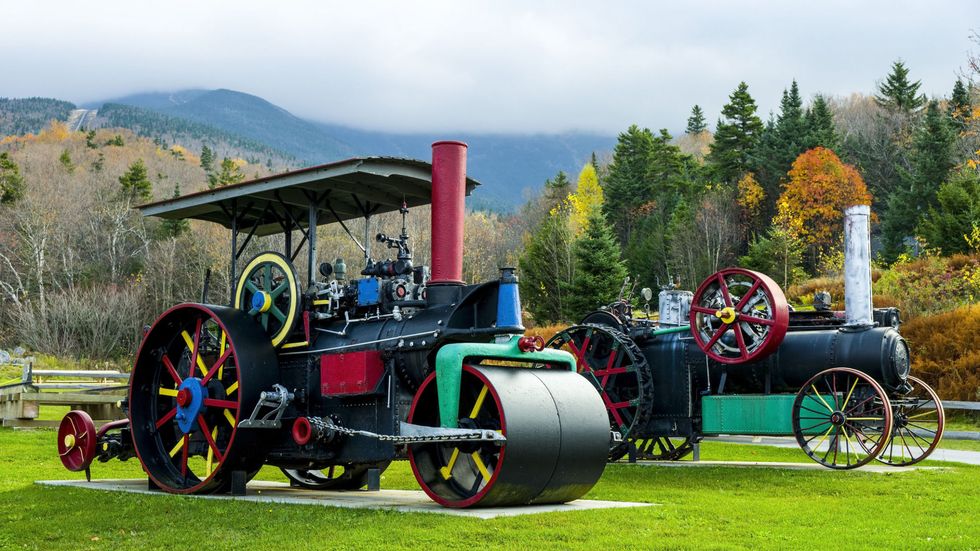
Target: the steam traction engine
(333, 380)
(731, 358)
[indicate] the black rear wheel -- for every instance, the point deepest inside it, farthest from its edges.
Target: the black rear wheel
(198, 373)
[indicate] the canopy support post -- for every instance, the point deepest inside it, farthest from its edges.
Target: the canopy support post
(311, 248)
(233, 269)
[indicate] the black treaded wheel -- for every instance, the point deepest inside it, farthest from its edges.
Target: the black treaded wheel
(334, 477)
(616, 367)
(198, 373)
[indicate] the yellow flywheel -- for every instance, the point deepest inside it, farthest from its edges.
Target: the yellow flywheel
(268, 291)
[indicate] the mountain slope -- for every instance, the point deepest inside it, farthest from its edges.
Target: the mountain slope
(30, 115)
(506, 164)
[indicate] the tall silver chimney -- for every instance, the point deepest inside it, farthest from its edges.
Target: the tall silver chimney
(857, 266)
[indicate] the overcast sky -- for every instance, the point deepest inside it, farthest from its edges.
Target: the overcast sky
(502, 66)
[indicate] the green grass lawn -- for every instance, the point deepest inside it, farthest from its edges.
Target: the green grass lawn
(703, 507)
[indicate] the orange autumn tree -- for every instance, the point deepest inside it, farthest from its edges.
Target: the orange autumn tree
(812, 205)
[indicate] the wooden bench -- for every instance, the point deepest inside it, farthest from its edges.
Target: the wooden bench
(95, 392)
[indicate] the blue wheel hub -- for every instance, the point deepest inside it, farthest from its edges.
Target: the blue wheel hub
(190, 402)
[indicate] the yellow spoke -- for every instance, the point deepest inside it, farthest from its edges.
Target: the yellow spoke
(830, 409)
(922, 415)
(180, 444)
(214, 434)
(230, 418)
(224, 340)
(815, 448)
(479, 465)
(447, 471)
(190, 344)
(479, 402)
(231, 388)
(164, 391)
(848, 399)
(865, 418)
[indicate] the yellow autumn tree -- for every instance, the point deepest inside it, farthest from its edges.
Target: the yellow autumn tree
(813, 202)
(750, 197)
(586, 200)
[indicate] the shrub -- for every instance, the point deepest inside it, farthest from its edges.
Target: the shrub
(944, 351)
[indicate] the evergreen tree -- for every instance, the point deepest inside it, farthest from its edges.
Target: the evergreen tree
(11, 182)
(173, 228)
(116, 141)
(556, 190)
(135, 183)
(66, 162)
(960, 106)
(207, 159)
(819, 126)
(897, 93)
(99, 163)
(626, 185)
(668, 169)
(736, 136)
(90, 140)
(547, 266)
(957, 211)
(230, 174)
(782, 141)
(931, 158)
(599, 271)
(696, 123)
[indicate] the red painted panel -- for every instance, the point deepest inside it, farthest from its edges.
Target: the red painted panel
(350, 372)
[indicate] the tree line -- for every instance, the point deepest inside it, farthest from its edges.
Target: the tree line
(767, 195)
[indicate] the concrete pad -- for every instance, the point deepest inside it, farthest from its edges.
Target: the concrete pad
(869, 468)
(403, 501)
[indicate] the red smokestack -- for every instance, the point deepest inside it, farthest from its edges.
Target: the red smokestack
(448, 194)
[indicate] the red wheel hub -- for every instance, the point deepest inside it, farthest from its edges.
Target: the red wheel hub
(183, 397)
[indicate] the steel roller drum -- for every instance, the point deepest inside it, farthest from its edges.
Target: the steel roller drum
(557, 435)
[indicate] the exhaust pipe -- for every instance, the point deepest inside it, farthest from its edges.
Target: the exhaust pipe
(448, 195)
(858, 309)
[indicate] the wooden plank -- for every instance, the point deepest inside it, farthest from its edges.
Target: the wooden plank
(82, 373)
(29, 423)
(87, 387)
(68, 398)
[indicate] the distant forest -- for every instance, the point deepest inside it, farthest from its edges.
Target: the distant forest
(30, 115)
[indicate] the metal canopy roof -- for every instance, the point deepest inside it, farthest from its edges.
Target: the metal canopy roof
(350, 189)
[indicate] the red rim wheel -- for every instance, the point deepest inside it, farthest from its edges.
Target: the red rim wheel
(198, 373)
(739, 316)
(76, 440)
(842, 418)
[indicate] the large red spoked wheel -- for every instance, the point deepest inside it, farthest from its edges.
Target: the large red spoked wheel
(556, 430)
(617, 369)
(918, 427)
(739, 316)
(842, 418)
(198, 373)
(76, 440)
